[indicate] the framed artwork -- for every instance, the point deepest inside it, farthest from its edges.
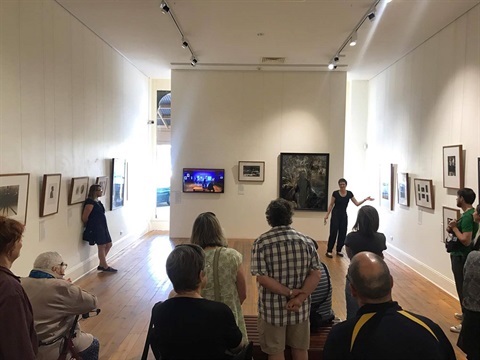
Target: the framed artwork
(453, 167)
(117, 196)
(103, 182)
(304, 180)
(424, 193)
(478, 175)
(14, 196)
(50, 196)
(403, 189)
(78, 190)
(449, 214)
(387, 180)
(251, 171)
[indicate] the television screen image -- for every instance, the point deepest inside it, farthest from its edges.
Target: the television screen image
(203, 180)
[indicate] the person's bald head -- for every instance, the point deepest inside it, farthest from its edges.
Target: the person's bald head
(370, 278)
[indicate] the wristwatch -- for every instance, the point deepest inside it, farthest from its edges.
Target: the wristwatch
(290, 293)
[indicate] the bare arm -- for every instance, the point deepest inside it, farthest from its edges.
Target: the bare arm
(330, 207)
(241, 285)
(309, 285)
(358, 203)
(465, 238)
(349, 252)
(86, 213)
(273, 285)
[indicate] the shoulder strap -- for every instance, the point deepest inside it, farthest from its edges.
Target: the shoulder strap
(216, 283)
(149, 333)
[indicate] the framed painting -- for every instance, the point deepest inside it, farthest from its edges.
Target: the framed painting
(424, 193)
(103, 182)
(50, 195)
(251, 171)
(118, 178)
(403, 189)
(304, 180)
(387, 179)
(453, 167)
(78, 190)
(478, 176)
(449, 214)
(14, 196)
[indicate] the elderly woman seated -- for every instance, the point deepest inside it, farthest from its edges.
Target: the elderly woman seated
(56, 302)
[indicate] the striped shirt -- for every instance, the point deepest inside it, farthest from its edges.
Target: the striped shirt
(287, 256)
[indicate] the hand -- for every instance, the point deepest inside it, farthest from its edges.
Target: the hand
(369, 198)
(295, 293)
(69, 280)
(294, 304)
(452, 224)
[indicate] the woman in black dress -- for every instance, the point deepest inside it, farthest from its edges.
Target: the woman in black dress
(339, 221)
(96, 229)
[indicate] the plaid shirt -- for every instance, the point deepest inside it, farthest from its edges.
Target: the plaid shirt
(287, 256)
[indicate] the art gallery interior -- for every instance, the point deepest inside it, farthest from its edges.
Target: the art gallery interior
(70, 101)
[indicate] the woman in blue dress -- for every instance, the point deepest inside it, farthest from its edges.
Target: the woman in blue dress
(96, 229)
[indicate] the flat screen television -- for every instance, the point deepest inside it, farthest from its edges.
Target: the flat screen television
(199, 180)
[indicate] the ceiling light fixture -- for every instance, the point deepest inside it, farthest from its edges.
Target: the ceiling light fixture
(194, 61)
(353, 39)
(371, 16)
(164, 7)
(184, 43)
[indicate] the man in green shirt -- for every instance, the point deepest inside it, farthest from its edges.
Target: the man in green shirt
(465, 230)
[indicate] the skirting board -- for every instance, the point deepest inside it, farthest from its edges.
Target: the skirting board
(427, 272)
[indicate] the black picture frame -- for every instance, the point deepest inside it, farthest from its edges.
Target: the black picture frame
(50, 196)
(304, 180)
(14, 196)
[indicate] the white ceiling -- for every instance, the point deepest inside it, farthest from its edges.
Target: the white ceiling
(224, 34)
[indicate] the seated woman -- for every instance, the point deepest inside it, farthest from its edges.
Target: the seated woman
(227, 272)
(187, 326)
(56, 302)
(364, 237)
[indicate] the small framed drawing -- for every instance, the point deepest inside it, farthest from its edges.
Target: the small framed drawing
(478, 175)
(403, 189)
(103, 182)
(386, 185)
(449, 214)
(50, 196)
(424, 193)
(453, 167)
(78, 190)
(251, 171)
(117, 196)
(14, 196)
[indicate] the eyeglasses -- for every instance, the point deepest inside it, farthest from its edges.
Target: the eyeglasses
(62, 264)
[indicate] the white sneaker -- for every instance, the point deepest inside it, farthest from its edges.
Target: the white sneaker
(456, 328)
(458, 316)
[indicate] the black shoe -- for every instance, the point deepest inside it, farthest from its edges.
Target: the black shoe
(339, 254)
(329, 255)
(109, 269)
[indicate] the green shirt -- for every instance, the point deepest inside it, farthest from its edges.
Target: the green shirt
(466, 224)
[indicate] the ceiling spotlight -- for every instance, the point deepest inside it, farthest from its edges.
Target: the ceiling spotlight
(332, 65)
(353, 39)
(164, 7)
(371, 16)
(184, 44)
(194, 61)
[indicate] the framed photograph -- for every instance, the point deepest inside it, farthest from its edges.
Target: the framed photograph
(478, 175)
(424, 193)
(103, 182)
(453, 167)
(251, 171)
(117, 196)
(304, 180)
(403, 189)
(449, 214)
(14, 196)
(78, 190)
(387, 180)
(50, 196)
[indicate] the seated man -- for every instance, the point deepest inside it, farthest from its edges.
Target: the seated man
(321, 312)
(187, 326)
(381, 329)
(56, 302)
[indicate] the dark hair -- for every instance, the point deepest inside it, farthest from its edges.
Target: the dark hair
(206, 231)
(10, 231)
(93, 189)
(370, 285)
(478, 209)
(468, 195)
(367, 221)
(279, 212)
(342, 180)
(184, 265)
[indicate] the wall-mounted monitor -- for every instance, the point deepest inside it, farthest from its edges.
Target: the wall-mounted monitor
(199, 180)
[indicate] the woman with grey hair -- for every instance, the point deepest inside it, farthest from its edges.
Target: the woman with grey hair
(224, 270)
(55, 303)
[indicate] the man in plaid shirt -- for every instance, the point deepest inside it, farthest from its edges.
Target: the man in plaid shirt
(287, 267)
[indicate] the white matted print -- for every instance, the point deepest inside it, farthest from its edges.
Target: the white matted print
(453, 167)
(14, 196)
(50, 195)
(449, 214)
(78, 190)
(423, 190)
(251, 171)
(387, 178)
(403, 189)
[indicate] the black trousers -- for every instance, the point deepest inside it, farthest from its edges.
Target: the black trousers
(338, 225)
(458, 262)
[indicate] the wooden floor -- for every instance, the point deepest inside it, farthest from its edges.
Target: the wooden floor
(126, 298)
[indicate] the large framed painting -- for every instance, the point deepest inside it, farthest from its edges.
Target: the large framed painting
(387, 180)
(78, 190)
(251, 171)
(453, 167)
(424, 193)
(403, 189)
(449, 214)
(304, 180)
(14, 196)
(50, 196)
(118, 179)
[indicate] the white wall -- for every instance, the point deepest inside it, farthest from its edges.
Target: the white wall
(426, 100)
(222, 117)
(68, 104)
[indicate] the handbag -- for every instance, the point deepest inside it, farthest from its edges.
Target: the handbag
(452, 244)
